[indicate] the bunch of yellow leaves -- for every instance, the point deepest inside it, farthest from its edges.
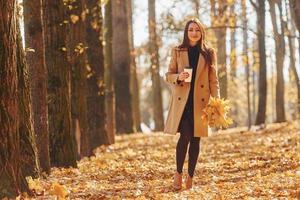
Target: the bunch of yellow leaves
(216, 113)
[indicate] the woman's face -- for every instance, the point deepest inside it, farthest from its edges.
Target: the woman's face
(194, 33)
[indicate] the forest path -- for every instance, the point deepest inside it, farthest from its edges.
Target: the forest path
(233, 164)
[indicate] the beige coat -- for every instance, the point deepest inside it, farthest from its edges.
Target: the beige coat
(206, 85)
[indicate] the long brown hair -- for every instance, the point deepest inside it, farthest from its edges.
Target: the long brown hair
(207, 52)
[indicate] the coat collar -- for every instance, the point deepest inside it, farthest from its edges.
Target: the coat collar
(200, 65)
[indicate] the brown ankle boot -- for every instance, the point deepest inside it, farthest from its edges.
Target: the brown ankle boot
(177, 181)
(189, 182)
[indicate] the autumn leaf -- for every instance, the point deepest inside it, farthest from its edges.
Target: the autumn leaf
(59, 190)
(216, 113)
(34, 185)
(237, 164)
(74, 18)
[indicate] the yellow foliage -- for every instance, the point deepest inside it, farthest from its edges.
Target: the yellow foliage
(215, 113)
(59, 190)
(141, 166)
(34, 184)
(74, 18)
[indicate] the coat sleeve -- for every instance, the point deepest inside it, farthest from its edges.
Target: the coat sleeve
(172, 73)
(213, 76)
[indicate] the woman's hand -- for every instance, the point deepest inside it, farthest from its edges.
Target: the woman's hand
(183, 75)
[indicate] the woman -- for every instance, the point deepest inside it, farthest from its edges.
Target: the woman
(190, 98)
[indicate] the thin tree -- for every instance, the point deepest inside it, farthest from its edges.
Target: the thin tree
(262, 96)
(291, 42)
(218, 19)
(121, 67)
(95, 78)
(35, 57)
(280, 52)
(233, 60)
(295, 12)
(246, 57)
(154, 68)
(29, 154)
(134, 87)
(196, 7)
(62, 141)
(108, 75)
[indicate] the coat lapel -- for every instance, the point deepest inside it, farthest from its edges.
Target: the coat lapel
(185, 58)
(200, 65)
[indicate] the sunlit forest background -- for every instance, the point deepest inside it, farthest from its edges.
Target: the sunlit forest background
(75, 74)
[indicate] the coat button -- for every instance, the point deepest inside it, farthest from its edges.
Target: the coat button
(202, 86)
(174, 82)
(179, 98)
(202, 99)
(181, 85)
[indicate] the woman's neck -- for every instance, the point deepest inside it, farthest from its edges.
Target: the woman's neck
(192, 44)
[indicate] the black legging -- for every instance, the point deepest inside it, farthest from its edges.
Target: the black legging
(186, 137)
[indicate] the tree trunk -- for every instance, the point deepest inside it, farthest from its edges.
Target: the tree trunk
(254, 77)
(29, 154)
(108, 76)
(134, 87)
(95, 79)
(218, 16)
(12, 181)
(292, 42)
(62, 141)
(262, 98)
(35, 57)
(233, 64)
(77, 44)
(280, 52)
(154, 68)
(294, 70)
(196, 7)
(246, 58)
(121, 67)
(295, 12)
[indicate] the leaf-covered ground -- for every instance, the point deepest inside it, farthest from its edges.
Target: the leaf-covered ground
(233, 164)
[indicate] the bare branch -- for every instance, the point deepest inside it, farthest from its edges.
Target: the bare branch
(254, 4)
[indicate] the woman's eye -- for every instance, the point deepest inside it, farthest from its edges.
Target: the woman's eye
(191, 30)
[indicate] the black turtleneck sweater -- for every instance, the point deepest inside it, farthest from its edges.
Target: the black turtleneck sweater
(193, 54)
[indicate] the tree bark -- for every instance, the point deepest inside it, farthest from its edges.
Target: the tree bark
(95, 79)
(35, 57)
(295, 12)
(77, 53)
(233, 64)
(108, 76)
(121, 67)
(291, 42)
(154, 68)
(134, 87)
(218, 16)
(246, 58)
(62, 141)
(29, 155)
(262, 98)
(280, 52)
(12, 181)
